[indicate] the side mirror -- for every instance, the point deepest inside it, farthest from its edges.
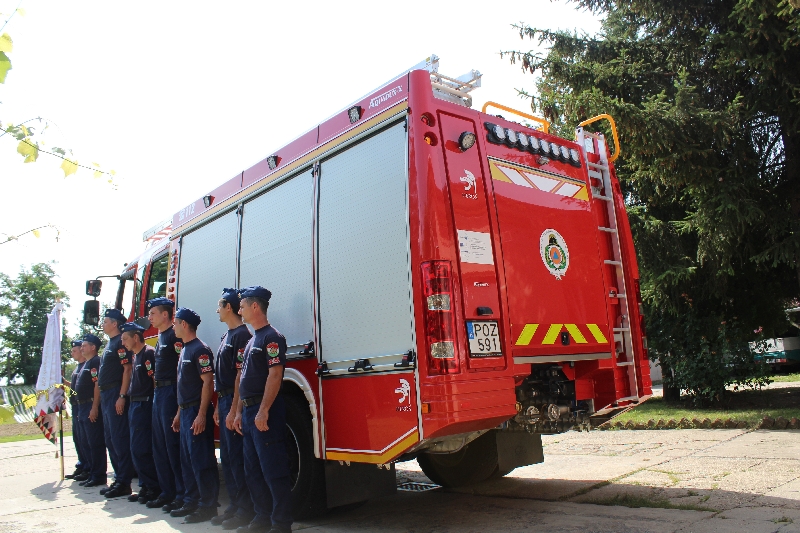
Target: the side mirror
(143, 321)
(91, 312)
(93, 287)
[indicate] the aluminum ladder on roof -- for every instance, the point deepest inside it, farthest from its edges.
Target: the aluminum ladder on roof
(600, 187)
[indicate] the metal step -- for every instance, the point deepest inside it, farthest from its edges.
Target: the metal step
(626, 363)
(629, 399)
(619, 296)
(607, 230)
(617, 330)
(610, 262)
(601, 197)
(597, 165)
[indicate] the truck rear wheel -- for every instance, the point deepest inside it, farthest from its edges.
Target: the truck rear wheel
(474, 463)
(308, 472)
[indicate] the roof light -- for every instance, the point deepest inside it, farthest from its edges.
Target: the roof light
(523, 142)
(564, 153)
(272, 162)
(354, 113)
(575, 157)
(497, 134)
(208, 200)
(544, 147)
(535, 147)
(511, 137)
(466, 141)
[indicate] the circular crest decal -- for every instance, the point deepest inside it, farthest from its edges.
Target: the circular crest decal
(147, 365)
(554, 252)
(272, 349)
(94, 372)
(178, 347)
(204, 360)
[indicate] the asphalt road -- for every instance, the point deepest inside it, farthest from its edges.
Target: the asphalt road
(720, 480)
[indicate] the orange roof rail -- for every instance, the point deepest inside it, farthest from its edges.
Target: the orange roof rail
(610, 119)
(543, 122)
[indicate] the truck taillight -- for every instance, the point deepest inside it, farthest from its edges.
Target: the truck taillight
(440, 328)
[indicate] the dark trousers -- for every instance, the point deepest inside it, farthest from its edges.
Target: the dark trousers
(140, 420)
(267, 465)
(92, 432)
(117, 436)
(230, 451)
(77, 439)
(167, 443)
(198, 461)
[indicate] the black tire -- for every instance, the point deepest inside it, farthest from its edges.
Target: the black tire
(474, 463)
(308, 472)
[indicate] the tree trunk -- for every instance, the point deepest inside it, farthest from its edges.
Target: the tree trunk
(791, 152)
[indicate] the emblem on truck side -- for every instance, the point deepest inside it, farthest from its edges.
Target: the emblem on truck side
(469, 179)
(404, 390)
(554, 252)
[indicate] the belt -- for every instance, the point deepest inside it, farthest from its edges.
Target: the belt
(110, 386)
(190, 404)
(141, 398)
(225, 392)
(253, 400)
(164, 383)
(81, 402)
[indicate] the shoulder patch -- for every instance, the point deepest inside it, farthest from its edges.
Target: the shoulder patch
(178, 347)
(272, 349)
(204, 360)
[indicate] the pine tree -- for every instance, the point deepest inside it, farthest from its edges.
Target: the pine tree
(707, 100)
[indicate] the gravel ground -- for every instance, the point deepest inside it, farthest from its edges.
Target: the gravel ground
(709, 480)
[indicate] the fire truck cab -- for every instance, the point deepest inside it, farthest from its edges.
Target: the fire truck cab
(452, 285)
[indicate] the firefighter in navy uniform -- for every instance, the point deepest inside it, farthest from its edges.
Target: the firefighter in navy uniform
(227, 370)
(140, 412)
(113, 382)
(166, 443)
(261, 417)
(195, 422)
(81, 470)
(91, 419)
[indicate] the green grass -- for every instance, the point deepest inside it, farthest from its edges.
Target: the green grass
(18, 438)
(629, 500)
(785, 378)
(745, 406)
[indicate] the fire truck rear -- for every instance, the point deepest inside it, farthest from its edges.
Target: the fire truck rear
(452, 285)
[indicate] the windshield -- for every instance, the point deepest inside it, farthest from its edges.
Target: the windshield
(126, 294)
(157, 285)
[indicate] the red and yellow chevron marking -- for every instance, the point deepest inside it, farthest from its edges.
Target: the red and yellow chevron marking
(538, 179)
(528, 333)
(379, 457)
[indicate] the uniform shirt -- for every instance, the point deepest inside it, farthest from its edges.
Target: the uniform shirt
(84, 386)
(196, 359)
(143, 369)
(266, 349)
(230, 357)
(168, 352)
(73, 382)
(114, 358)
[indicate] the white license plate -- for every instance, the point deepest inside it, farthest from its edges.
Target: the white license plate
(484, 339)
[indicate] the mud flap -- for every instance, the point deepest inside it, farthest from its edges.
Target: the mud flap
(518, 448)
(358, 482)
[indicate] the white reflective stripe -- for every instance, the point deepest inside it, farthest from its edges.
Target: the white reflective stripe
(401, 437)
(567, 189)
(545, 184)
(514, 176)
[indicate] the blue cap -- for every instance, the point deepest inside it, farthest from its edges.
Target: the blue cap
(115, 314)
(93, 339)
(131, 326)
(230, 295)
(155, 302)
(184, 313)
(77, 343)
(255, 292)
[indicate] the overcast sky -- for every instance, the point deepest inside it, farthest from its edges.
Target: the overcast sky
(177, 97)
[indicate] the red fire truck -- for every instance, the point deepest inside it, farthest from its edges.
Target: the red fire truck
(452, 285)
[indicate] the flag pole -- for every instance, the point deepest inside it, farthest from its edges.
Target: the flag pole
(61, 438)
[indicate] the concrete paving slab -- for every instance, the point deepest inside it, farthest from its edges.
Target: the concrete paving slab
(763, 444)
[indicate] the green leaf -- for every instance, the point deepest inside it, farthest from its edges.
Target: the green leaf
(69, 167)
(5, 66)
(6, 44)
(28, 150)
